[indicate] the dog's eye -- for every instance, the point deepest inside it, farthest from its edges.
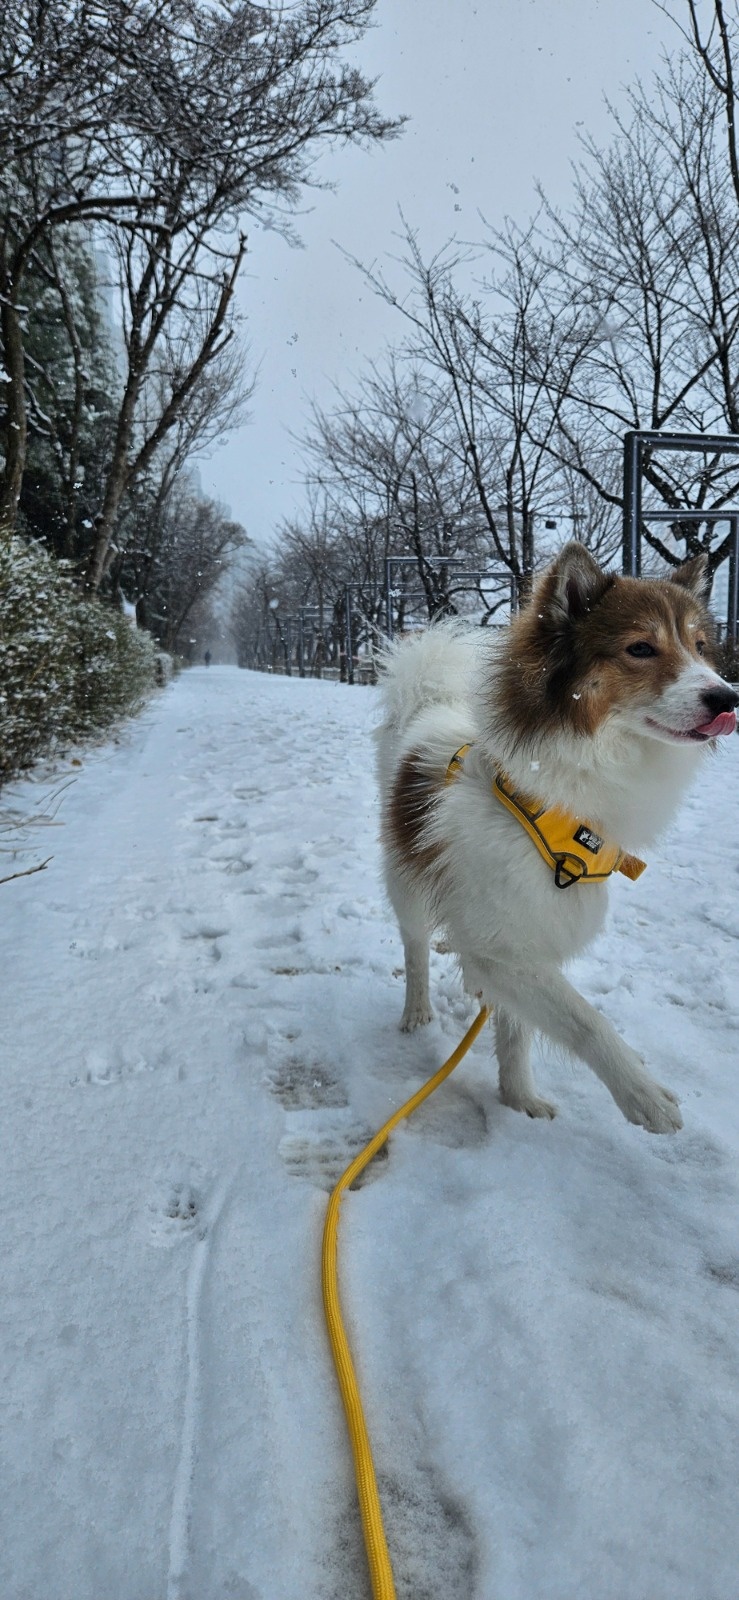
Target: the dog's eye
(642, 649)
(700, 647)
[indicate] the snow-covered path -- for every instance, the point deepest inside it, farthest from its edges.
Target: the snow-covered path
(199, 1026)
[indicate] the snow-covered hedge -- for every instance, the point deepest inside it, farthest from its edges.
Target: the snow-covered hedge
(67, 667)
(115, 667)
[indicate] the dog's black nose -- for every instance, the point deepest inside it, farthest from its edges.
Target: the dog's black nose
(720, 699)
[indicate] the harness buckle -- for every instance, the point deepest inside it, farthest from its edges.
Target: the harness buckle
(569, 870)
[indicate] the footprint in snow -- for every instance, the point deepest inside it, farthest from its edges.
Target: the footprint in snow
(234, 825)
(208, 938)
(698, 1152)
(92, 950)
(726, 1272)
(322, 1135)
(233, 865)
(235, 1587)
(431, 1540)
(301, 1086)
(295, 869)
(275, 941)
(318, 1147)
(176, 1216)
(110, 1067)
(452, 1117)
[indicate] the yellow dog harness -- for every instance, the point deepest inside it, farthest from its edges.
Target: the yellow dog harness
(572, 848)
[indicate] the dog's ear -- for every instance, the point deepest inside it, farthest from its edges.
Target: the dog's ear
(572, 585)
(694, 576)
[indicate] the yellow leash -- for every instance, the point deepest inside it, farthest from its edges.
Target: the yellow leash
(381, 1572)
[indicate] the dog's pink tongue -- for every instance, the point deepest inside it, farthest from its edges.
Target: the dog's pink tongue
(725, 722)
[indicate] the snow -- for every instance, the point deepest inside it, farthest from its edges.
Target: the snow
(200, 1026)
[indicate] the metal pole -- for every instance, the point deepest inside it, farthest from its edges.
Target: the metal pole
(389, 596)
(528, 548)
(301, 644)
(632, 506)
(348, 632)
(731, 618)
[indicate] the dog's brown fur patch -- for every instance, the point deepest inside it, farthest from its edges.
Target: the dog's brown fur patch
(412, 801)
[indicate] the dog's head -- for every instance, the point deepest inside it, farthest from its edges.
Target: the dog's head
(592, 647)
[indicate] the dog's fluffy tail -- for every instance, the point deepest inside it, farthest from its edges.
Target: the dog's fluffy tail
(427, 669)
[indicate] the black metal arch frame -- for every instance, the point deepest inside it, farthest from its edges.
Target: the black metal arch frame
(635, 443)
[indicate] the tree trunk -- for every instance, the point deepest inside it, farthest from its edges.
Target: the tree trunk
(15, 397)
(115, 488)
(524, 582)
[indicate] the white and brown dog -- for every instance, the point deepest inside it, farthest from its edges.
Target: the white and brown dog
(597, 704)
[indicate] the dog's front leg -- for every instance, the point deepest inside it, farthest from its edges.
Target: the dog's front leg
(545, 1000)
(517, 1086)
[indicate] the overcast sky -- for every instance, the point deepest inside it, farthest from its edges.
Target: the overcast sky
(497, 92)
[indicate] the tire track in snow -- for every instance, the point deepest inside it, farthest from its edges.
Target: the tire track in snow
(181, 1517)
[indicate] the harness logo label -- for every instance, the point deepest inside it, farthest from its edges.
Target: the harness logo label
(591, 841)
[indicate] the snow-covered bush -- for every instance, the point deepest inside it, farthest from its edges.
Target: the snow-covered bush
(67, 667)
(164, 667)
(115, 665)
(37, 652)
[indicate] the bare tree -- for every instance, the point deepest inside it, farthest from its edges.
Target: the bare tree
(389, 463)
(166, 123)
(256, 625)
(309, 550)
(620, 313)
(490, 354)
(218, 402)
(196, 542)
(651, 251)
(178, 312)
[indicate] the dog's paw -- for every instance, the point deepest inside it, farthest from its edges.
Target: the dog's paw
(650, 1105)
(532, 1104)
(415, 1017)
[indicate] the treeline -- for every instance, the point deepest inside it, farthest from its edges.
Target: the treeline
(493, 429)
(136, 140)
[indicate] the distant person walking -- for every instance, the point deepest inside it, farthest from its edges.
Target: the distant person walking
(206, 658)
